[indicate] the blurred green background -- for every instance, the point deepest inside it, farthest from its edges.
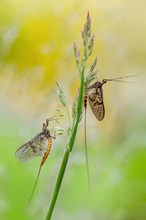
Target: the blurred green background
(36, 40)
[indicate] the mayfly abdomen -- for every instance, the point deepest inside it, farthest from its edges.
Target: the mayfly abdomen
(47, 152)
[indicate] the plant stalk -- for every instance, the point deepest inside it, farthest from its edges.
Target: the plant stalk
(68, 149)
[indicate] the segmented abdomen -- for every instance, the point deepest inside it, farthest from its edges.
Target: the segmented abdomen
(47, 152)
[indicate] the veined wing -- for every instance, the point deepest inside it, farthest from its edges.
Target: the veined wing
(33, 148)
(97, 104)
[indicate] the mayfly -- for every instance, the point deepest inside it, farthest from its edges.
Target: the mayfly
(40, 145)
(94, 94)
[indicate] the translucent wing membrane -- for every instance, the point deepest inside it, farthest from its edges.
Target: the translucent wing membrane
(96, 103)
(33, 148)
(98, 110)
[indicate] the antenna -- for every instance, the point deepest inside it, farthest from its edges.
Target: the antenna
(118, 79)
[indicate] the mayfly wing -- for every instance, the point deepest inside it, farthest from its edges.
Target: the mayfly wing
(96, 103)
(33, 148)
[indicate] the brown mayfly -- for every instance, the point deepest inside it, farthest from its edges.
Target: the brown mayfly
(94, 95)
(40, 145)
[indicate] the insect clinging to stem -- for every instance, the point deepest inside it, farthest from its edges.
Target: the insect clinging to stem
(94, 95)
(40, 145)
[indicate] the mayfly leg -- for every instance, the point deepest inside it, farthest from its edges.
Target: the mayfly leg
(45, 125)
(46, 154)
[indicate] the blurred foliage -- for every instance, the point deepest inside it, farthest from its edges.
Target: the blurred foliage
(36, 39)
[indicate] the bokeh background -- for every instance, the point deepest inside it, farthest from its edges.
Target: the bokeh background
(36, 40)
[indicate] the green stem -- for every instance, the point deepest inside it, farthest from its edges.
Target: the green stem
(58, 184)
(68, 150)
